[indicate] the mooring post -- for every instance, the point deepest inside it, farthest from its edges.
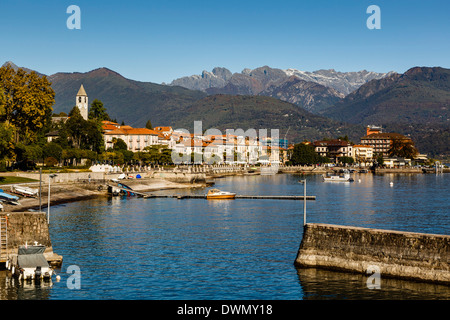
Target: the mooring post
(304, 200)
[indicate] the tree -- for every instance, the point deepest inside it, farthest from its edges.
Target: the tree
(402, 148)
(304, 154)
(346, 160)
(52, 150)
(7, 134)
(148, 125)
(28, 100)
(98, 111)
(2, 103)
(75, 126)
(119, 144)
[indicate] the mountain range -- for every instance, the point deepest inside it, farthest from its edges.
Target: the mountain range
(313, 91)
(414, 103)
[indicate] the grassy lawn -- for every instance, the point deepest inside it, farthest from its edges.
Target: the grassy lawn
(9, 180)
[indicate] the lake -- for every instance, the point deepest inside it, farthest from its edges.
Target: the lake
(243, 249)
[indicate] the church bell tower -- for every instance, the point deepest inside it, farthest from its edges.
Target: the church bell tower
(82, 102)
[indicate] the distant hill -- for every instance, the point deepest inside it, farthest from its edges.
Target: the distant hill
(125, 100)
(15, 67)
(416, 103)
(259, 112)
(421, 95)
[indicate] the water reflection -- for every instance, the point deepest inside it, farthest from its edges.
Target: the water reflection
(319, 284)
(12, 288)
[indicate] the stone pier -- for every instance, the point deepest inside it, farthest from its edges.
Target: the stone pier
(28, 227)
(407, 255)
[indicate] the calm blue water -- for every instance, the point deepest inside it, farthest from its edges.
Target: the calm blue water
(237, 249)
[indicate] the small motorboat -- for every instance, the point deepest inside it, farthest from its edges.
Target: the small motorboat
(30, 264)
(218, 194)
(343, 177)
(25, 191)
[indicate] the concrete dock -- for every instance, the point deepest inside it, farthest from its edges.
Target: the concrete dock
(406, 255)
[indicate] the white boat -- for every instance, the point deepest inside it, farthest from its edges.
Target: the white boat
(30, 263)
(343, 177)
(218, 194)
(25, 191)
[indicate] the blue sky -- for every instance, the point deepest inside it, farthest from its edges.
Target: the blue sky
(159, 41)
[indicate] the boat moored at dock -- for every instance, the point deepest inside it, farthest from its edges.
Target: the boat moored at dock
(343, 177)
(30, 264)
(218, 194)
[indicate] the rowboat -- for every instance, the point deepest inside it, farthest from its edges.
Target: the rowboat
(218, 194)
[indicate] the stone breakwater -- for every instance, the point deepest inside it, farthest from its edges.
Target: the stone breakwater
(407, 255)
(28, 228)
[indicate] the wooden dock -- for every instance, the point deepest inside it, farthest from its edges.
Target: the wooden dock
(202, 196)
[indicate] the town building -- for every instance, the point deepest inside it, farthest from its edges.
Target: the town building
(333, 149)
(136, 139)
(381, 141)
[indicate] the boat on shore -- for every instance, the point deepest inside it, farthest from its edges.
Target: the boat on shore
(218, 194)
(9, 198)
(343, 177)
(24, 191)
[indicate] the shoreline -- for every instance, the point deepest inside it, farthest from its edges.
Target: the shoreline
(61, 193)
(66, 192)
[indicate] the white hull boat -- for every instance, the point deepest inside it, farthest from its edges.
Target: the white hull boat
(218, 194)
(25, 191)
(345, 177)
(30, 264)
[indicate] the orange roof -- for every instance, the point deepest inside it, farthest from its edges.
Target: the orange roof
(109, 127)
(162, 128)
(109, 122)
(127, 130)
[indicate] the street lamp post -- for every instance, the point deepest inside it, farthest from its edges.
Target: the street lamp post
(50, 176)
(304, 200)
